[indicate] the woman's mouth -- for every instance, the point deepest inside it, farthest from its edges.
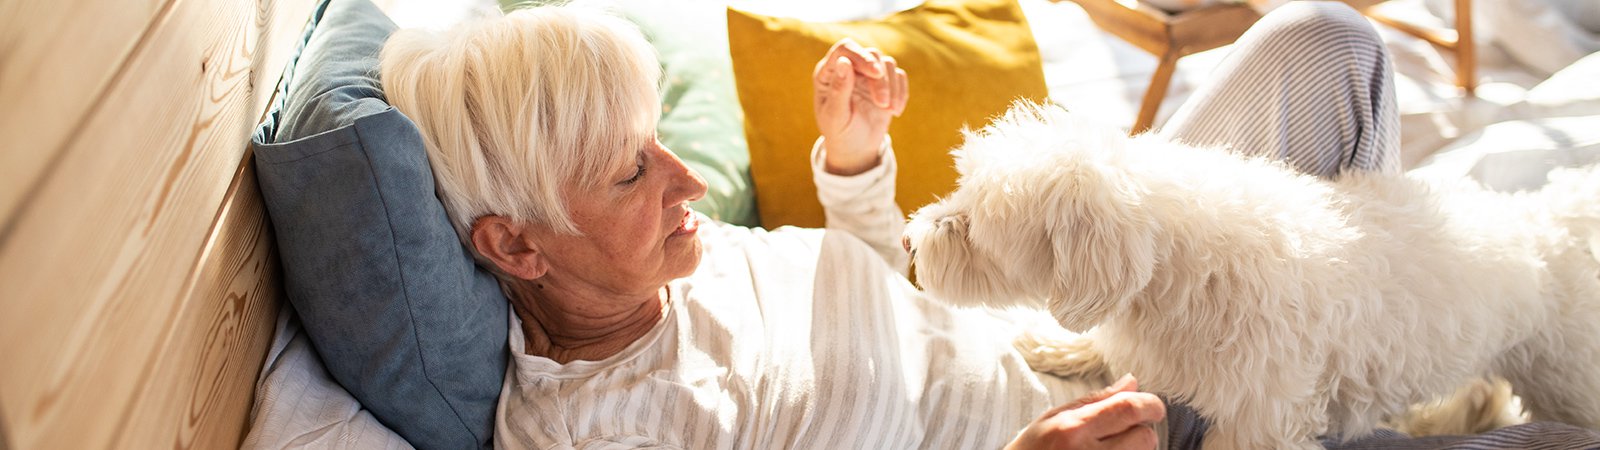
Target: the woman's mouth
(689, 225)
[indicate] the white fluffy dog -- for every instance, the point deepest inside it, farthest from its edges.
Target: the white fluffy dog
(1280, 306)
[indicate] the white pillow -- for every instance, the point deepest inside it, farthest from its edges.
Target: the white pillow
(1574, 91)
(1517, 155)
(298, 405)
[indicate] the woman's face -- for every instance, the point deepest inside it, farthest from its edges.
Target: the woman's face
(637, 231)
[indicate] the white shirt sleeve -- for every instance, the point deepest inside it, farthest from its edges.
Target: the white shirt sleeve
(863, 204)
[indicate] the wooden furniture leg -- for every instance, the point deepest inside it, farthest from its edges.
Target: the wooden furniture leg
(1169, 37)
(1156, 92)
(1458, 41)
(1466, 49)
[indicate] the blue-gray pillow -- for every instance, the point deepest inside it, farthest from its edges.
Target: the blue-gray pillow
(390, 298)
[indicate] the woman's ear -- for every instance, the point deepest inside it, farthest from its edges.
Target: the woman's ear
(509, 246)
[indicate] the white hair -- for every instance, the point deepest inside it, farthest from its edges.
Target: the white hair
(1278, 305)
(516, 110)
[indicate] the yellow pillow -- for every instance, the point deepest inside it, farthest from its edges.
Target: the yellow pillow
(967, 61)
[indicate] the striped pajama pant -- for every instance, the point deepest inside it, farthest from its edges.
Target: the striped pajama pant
(1312, 84)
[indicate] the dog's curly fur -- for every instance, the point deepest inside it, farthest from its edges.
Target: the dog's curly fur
(1281, 306)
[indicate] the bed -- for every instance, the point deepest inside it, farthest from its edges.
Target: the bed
(141, 285)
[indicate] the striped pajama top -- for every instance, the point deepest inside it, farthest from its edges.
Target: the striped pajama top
(789, 339)
(794, 338)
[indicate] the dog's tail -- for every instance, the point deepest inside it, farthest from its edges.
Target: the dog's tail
(1573, 198)
(1480, 406)
(1052, 350)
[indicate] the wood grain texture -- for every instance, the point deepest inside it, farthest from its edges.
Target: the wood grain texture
(5, 443)
(200, 393)
(100, 269)
(1466, 49)
(1458, 41)
(1210, 27)
(1168, 37)
(56, 59)
(1155, 92)
(1143, 26)
(1442, 37)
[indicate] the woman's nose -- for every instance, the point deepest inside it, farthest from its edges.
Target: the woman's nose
(687, 185)
(696, 184)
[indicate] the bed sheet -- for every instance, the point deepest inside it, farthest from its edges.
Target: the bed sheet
(298, 405)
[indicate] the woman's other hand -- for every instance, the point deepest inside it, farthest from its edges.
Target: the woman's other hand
(856, 92)
(1118, 417)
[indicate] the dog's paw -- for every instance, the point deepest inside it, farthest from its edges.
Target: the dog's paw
(1064, 354)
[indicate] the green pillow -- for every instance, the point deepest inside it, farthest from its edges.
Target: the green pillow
(701, 120)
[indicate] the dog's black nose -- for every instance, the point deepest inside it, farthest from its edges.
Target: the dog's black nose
(905, 241)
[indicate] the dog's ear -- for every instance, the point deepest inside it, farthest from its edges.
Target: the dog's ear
(1103, 242)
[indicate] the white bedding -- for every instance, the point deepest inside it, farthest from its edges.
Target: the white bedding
(298, 405)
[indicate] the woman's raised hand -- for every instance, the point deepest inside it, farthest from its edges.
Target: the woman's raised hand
(1118, 417)
(857, 91)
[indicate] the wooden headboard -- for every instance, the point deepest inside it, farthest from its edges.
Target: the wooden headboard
(138, 282)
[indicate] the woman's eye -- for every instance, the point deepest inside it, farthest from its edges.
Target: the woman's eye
(637, 174)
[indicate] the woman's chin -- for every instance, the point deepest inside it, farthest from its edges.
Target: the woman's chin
(684, 255)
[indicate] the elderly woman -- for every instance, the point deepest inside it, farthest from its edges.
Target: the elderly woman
(639, 323)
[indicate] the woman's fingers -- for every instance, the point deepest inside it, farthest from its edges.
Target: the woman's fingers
(834, 82)
(855, 83)
(865, 59)
(1137, 438)
(843, 77)
(875, 68)
(1125, 384)
(833, 74)
(1121, 412)
(1117, 417)
(902, 91)
(882, 85)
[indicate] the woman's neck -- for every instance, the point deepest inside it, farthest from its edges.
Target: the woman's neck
(567, 328)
